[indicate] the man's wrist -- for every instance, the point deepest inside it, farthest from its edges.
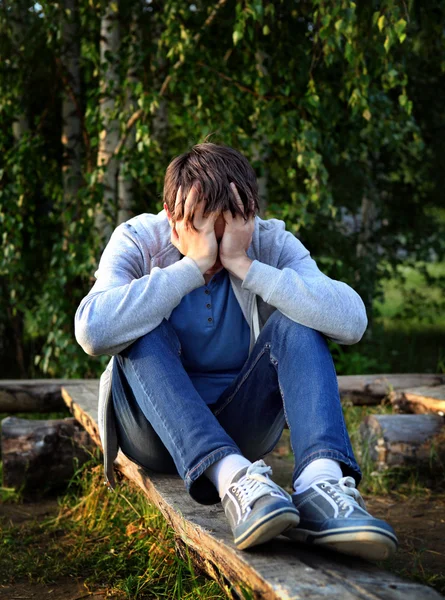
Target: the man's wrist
(203, 265)
(239, 266)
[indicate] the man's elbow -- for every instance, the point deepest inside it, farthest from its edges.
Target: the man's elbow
(88, 340)
(356, 328)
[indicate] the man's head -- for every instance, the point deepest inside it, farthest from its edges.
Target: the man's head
(214, 166)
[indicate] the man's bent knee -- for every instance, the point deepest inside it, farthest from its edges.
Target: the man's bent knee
(162, 337)
(285, 326)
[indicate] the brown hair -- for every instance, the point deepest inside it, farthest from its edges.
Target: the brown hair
(214, 166)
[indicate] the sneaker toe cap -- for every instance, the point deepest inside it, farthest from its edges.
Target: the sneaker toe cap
(370, 524)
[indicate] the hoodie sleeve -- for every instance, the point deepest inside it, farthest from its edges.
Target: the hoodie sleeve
(298, 289)
(124, 304)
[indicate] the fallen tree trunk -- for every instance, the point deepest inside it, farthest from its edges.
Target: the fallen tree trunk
(44, 395)
(420, 400)
(399, 440)
(32, 395)
(372, 389)
(42, 455)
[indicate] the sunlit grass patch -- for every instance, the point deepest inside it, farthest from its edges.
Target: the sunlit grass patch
(111, 540)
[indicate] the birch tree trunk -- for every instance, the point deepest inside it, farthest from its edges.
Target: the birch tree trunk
(106, 211)
(125, 181)
(20, 127)
(260, 148)
(71, 124)
(18, 14)
(160, 118)
(367, 251)
(260, 154)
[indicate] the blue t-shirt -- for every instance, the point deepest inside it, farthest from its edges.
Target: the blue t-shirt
(214, 336)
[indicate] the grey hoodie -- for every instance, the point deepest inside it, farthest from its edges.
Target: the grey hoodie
(141, 278)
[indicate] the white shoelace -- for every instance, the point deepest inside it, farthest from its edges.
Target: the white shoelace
(346, 494)
(254, 484)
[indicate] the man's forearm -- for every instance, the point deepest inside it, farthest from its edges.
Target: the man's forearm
(239, 267)
(308, 297)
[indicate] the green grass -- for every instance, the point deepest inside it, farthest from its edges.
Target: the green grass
(408, 331)
(410, 287)
(116, 541)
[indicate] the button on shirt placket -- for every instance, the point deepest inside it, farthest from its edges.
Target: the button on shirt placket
(209, 307)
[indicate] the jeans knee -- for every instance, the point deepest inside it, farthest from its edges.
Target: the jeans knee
(293, 332)
(160, 338)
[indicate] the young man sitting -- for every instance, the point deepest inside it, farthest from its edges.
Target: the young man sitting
(217, 321)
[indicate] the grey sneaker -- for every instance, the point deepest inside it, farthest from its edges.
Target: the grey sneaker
(256, 507)
(333, 515)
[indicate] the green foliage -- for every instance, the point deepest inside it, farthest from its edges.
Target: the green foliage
(337, 104)
(353, 363)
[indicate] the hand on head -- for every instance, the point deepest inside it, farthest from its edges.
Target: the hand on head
(238, 233)
(197, 236)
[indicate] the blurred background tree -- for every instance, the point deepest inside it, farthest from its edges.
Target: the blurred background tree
(338, 105)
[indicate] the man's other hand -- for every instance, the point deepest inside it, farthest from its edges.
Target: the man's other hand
(193, 234)
(236, 240)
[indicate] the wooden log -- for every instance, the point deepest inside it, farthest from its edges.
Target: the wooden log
(32, 395)
(44, 395)
(420, 400)
(372, 389)
(278, 570)
(42, 455)
(397, 440)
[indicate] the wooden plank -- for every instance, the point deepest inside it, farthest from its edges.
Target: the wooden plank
(405, 439)
(81, 400)
(420, 400)
(280, 570)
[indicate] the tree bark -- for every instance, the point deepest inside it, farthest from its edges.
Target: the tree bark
(42, 455)
(18, 13)
(160, 121)
(125, 181)
(404, 440)
(34, 395)
(106, 212)
(72, 121)
(420, 400)
(260, 147)
(372, 389)
(20, 127)
(367, 255)
(260, 154)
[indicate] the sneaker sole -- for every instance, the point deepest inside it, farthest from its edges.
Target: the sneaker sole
(369, 543)
(267, 528)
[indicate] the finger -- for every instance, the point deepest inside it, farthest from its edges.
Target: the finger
(252, 203)
(191, 201)
(228, 217)
(178, 203)
(237, 197)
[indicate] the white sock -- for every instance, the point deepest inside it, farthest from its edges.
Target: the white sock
(222, 472)
(318, 470)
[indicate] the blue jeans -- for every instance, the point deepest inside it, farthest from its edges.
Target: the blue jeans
(164, 425)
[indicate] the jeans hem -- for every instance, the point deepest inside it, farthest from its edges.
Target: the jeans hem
(198, 486)
(349, 466)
